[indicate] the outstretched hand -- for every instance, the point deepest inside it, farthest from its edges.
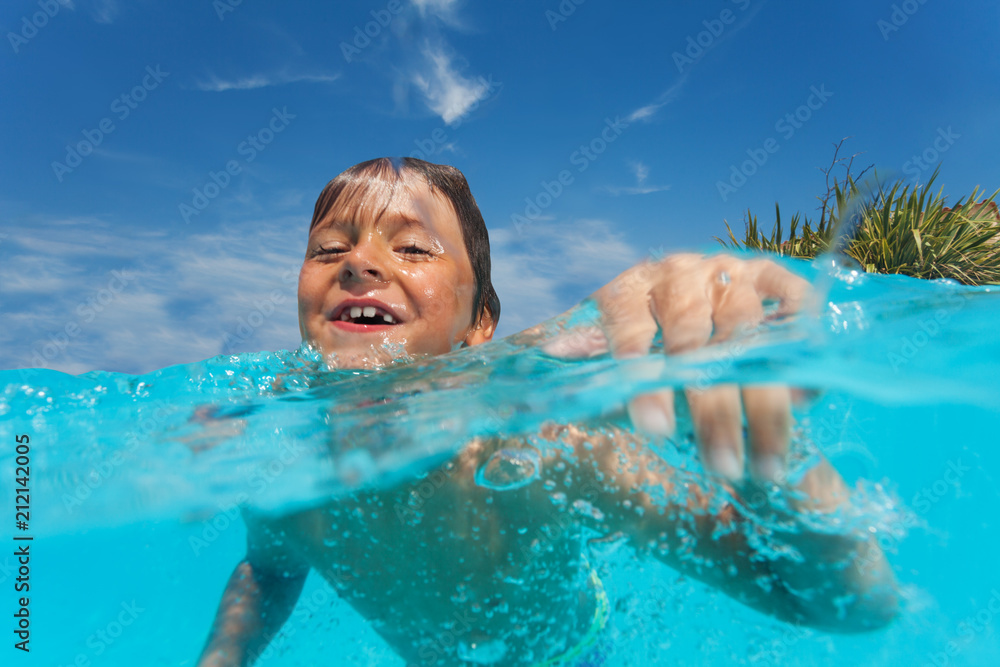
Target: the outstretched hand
(696, 300)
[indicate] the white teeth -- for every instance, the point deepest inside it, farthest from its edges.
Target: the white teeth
(354, 312)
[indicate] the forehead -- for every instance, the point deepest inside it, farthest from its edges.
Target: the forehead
(404, 201)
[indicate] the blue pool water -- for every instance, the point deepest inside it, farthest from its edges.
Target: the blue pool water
(135, 478)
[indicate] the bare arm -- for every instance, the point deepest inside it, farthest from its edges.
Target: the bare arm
(836, 581)
(777, 558)
(258, 599)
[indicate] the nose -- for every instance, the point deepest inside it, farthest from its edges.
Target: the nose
(362, 265)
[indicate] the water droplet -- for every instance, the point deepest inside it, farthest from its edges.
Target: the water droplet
(482, 652)
(843, 268)
(509, 469)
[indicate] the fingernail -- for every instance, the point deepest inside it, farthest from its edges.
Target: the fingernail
(724, 462)
(770, 468)
(649, 418)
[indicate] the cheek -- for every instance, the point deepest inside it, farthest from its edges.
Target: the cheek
(310, 299)
(447, 296)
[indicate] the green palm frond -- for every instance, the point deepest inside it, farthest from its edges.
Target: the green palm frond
(900, 229)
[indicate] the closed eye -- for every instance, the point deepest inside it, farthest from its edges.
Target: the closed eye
(323, 250)
(414, 250)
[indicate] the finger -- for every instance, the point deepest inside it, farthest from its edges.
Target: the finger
(738, 310)
(776, 282)
(718, 425)
(684, 312)
(626, 318)
(769, 422)
(577, 343)
(653, 413)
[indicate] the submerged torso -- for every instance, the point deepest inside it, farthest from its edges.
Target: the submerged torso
(445, 568)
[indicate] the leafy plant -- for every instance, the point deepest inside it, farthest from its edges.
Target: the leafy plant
(899, 229)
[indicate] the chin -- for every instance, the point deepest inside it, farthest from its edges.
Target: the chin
(369, 356)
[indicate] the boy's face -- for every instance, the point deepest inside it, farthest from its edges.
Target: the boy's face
(403, 279)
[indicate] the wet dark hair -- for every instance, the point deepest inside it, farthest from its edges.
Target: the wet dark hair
(370, 187)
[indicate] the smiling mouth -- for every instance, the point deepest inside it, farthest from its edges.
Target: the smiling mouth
(366, 315)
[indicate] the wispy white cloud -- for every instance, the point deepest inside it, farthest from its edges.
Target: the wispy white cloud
(641, 172)
(447, 93)
(435, 6)
(668, 96)
(104, 11)
(552, 268)
(665, 98)
(217, 84)
(444, 10)
(137, 301)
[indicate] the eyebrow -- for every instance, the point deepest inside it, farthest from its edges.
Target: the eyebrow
(387, 219)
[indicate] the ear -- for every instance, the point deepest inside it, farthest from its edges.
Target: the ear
(482, 332)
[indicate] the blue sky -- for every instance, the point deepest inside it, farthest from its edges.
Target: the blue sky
(118, 114)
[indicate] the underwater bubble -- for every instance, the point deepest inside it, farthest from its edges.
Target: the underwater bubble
(509, 469)
(603, 547)
(584, 508)
(482, 653)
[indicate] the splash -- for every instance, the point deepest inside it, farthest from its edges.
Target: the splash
(281, 430)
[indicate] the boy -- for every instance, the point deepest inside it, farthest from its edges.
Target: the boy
(398, 258)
